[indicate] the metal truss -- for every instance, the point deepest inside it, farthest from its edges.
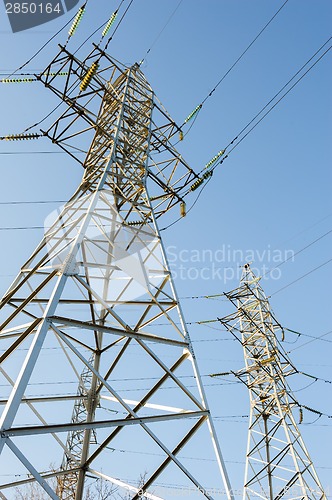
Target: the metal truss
(278, 464)
(75, 438)
(97, 294)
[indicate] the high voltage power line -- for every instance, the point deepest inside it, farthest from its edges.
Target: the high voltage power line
(194, 113)
(297, 253)
(205, 174)
(282, 97)
(302, 276)
(160, 32)
(238, 136)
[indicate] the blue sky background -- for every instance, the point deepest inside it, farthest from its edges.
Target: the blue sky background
(272, 195)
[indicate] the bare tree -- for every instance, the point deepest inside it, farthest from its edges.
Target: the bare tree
(140, 483)
(100, 489)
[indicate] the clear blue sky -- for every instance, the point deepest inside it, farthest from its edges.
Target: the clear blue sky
(271, 196)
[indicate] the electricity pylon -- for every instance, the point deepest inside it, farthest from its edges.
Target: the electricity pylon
(278, 464)
(97, 294)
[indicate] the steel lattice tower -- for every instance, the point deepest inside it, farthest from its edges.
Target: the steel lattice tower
(99, 287)
(278, 464)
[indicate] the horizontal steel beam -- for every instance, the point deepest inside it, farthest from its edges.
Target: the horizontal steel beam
(47, 429)
(117, 331)
(45, 300)
(47, 399)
